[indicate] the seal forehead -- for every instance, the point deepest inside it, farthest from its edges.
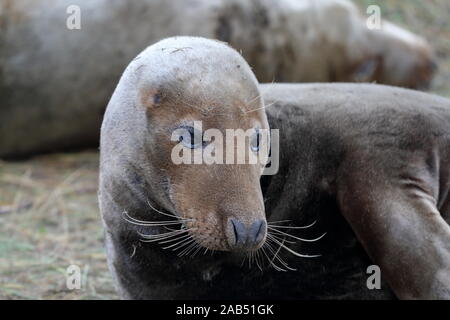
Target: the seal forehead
(181, 58)
(191, 103)
(195, 72)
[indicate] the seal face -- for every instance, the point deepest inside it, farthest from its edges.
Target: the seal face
(178, 83)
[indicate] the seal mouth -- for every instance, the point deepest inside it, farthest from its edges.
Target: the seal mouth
(262, 252)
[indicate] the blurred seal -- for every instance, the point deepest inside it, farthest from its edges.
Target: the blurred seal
(51, 74)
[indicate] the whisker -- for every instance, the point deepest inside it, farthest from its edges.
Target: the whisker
(292, 251)
(279, 221)
(182, 252)
(271, 261)
(248, 111)
(276, 252)
(162, 235)
(130, 219)
(277, 268)
(159, 240)
(289, 227)
(147, 224)
(253, 99)
(276, 256)
(258, 256)
(190, 248)
(263, 107)
(243, 260)
(279, 237)
(167, 214)
(181, 244)
(199, 247)
(175, 239)
(294, 237)
(134, 221)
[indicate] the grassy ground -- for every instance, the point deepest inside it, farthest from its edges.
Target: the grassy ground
(48, 205)
(49, 220)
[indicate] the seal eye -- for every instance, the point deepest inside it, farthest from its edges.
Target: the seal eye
(190, 137)
(255, 140)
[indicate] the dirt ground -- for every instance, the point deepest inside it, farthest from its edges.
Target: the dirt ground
(49, 216)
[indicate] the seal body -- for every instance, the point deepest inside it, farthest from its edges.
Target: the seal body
(382, 153)
(370, 163)
(51, 74)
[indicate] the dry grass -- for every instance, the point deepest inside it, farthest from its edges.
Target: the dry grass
(48, 220)
(48, 205)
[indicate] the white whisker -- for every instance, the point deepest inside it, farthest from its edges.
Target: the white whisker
(263, 107)
(258, 257)
(292, 251)
(175, 239)
(188, 249)
(297, 238)
(279, 221)
(276, 256)
(199, 247)
(135, 221)
(153, 224)
(162, 235)
(181, 244)
(167, 214)
(280, 238)
(289, 227)
(277, 268)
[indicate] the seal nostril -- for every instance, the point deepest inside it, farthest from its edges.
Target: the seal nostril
(239, 231)
(247, 237)
(257, 231)
(235, 232)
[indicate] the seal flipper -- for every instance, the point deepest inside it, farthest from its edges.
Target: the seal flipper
(400, 227)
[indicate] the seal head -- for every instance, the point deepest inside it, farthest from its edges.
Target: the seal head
(167, 99)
